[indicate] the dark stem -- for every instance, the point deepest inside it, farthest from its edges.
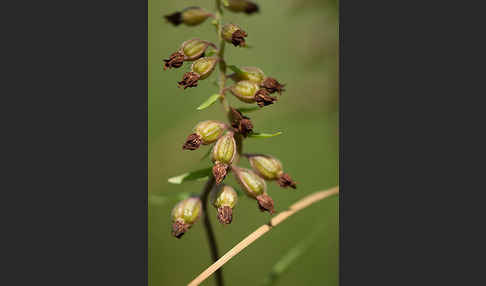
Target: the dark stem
(209, 230)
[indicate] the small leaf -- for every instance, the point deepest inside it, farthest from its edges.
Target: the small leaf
(210, 53)
(237, 70)
(248, 109)
(263, 135)
(190, 176)
(210, 101)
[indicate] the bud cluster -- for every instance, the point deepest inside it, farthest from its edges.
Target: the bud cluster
(250, 85)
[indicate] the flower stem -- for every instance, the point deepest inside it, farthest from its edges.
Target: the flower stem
(209, 230)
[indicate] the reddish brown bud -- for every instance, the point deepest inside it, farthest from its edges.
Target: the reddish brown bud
(265, 203)
(193, 142)
(241, 123)
(242, 6)
(284, 181)
(175, 61)
(189, 80)
(179, 227)
(238, 38)
(219, 172)
(225, 214)
(272, 85)
(263, 98)
(174, 18)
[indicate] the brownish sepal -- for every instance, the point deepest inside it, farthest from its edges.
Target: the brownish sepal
(193, 142)
(175, 60)
(265, 203)
(189, 80)
(263, 98)
(251, 8)
(219, 172)
(225, 215)
(242, 124)
(179, 228)
(272, 85)
(285, 181)
(238, 38)
(174, 18)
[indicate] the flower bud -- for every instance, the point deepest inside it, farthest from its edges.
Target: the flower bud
(224, 198)
(270, 168)
(272, 85)
(224, 152)
(242, 6)
(204, 66)
(184, 215)
(190, 16)
(263, 98)
(245, 91)
(205, 132)
(193, 49)
(252, 74)
(254, 187)
(240, 123)
(234, 34)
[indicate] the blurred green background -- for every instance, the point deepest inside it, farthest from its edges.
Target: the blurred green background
(296, 42)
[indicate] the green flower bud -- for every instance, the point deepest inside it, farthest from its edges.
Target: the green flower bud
(255, 187)
(193, 49)
(204, 66)
(270, 168)
(190, 16)
(205, 132)
(224, 152)
(224, 198)
(245, 91)
(184, 215)
(234, 34)
(252, 74)
(242, 6)
(267, 167)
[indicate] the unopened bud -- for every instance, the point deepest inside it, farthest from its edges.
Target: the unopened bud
(263, 98)
(267, 167)
(255, 187)
(224, 152)
(245, 91)
(252, 74)
(224, 198)
(184, 215)
(205, 132)
(190, 16)
(270, 168)
(242, 6)
(193, 49)
(240, 123)
(204, 66)
(272, 85)
(234, 34)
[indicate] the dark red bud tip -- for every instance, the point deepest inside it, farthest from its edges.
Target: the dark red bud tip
(174, 18)
(175, 61)
(272, 85)
(241, 123)
(263, 98)
(179, 228)
(251, 8)
(193, 142)
(265, 203)
(189, 80)
(285, 181)
(219, 172)
(225, 215)
(238, 38)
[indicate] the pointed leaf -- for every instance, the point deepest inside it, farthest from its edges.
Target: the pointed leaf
(263, 135)
(190, 176)
(210, 101)
(237, 70)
